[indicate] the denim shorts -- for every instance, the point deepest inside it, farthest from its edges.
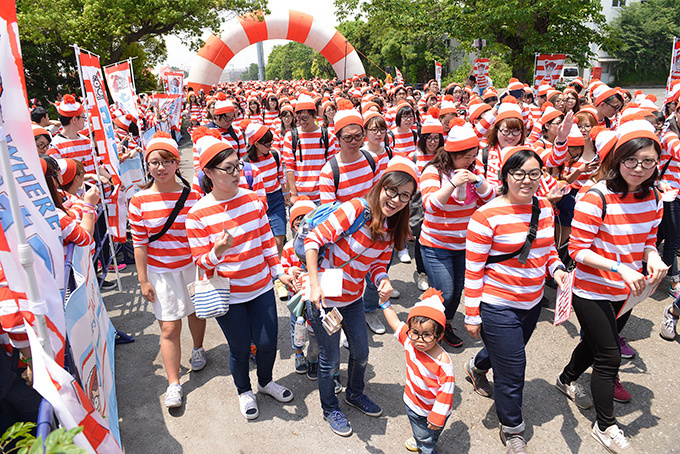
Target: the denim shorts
(276, 213)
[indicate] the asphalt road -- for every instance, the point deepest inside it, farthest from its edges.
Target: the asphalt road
(210, 420)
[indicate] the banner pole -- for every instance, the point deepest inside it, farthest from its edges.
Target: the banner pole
(670, 70)
(24, 249)
(96, 165)
(132, 76)
(535, 63)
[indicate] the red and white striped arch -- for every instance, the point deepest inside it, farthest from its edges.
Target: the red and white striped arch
(296, 26)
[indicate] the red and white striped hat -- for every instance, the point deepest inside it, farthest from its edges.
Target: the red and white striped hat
(163, 141)
(602, 92)
(304, 102)
(346, 115)
(432, 125)
(509, 109)
(477, 108)
(69, 107)
(208, 143)
(431, 307)
(40, 131)
(549, 113)
(604, 139)
(223, 106)
(575, 138)
(123, 122)
(461, 136)
(447, 106)
(635, 128)
(254, 131)
(543, 89)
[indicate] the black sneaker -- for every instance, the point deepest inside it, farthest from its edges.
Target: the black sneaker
(514, 443)
(108, 285)
(313, 370)
(451, 338)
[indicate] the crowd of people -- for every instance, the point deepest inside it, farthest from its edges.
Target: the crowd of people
(502, 192)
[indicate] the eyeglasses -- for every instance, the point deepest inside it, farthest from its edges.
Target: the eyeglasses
(225, 117)
(349, 138)
(632, 163)
(490, 100)
(520, 174)
(392, 192)
(586, 127)
(425, 336)
(509, 132)
(44, 146)
(266, 145)
(230, 169)
(377, 130)
(433, 138)
(407, 117)
(303, 116)
(576, 156)
(555, 123)
(570, 100)
(166, 163)
(616, 108)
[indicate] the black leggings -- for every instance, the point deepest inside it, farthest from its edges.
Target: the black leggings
(599, 348)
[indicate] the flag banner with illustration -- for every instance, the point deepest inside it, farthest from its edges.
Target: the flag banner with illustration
(38, 213)
(548, 69)
(438, 73)
(400, 79)
(480, 70)
(174, 85)
(596, 73)
(92, 338)
(167, 109)
(102, 129)
(675, 66)
(132, 175)
(71, 404)
(121, 87)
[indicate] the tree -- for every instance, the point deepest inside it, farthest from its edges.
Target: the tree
(113, 29)
(297, 61)
(643, 39)
(251, 73)
(520, 27)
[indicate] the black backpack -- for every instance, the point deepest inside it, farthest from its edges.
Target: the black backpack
(336, 168)
(296, 146)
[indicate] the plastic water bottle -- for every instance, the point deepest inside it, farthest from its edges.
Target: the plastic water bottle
(300, 333)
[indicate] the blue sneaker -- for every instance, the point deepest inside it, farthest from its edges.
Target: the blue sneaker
(339, 423)
(365, 404)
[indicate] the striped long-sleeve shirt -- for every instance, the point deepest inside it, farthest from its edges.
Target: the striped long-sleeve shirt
(79, 149)
(149, 210)
(500, 228)
(429, 382)
(445, 225)
(371, 257)
(670, 152)
(356, 179)
(272, 174)
(252, 261)
(404, 143)
(629, 227)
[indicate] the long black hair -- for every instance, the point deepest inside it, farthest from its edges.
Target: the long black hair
(515, 162)
(206, 182)
(614, 179)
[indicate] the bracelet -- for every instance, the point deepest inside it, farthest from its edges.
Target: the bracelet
(26, 359)
(88, 205)
(615, 268)
(479, 183)
(385, 305)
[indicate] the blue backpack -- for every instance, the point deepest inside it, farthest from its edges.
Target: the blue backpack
(319, 215)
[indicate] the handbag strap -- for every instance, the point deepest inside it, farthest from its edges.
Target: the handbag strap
(523, 252)
(173, 215)
(356, 256)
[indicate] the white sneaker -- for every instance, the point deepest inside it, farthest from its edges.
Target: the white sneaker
(343, 339)
(422, 281)
(403, 256)
(173, 396)
(248, 405)
(613, 439)
(198, 359)
(373, 322)
(278, 392)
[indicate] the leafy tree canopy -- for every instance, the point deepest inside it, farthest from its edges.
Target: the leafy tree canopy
(251, 73)
(297, 61)
(113, 29)
(522, 27)
(643, 39)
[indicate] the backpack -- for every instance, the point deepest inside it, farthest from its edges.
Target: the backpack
(296, 146)
(275, 155)
(336, 168)
(248, 173)
(390, 134)
(319, 215)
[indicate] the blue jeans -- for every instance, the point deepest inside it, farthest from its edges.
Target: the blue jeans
(354, 325)
(254, 320)
(426, 438)
(669, 231)
(371, 298)
(506, 332)
(446, 271)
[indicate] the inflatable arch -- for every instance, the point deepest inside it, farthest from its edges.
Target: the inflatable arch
(297, 26)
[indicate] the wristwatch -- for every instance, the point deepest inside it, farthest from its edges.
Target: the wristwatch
(479, 181)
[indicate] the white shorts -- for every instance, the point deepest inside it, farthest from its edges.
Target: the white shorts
(172, 298)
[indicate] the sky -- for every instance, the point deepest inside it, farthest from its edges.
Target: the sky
(179, 54)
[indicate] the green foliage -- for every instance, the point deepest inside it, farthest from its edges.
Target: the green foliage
(411, 50)
(252, 73)
(499, 72)
(643, 34)
(59, 441)
(297, 61)
(519, 28)
(113, 29)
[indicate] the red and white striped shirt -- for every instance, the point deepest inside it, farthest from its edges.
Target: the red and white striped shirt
(404, 143)
(149, 210)
(14, 308)
(499, 228)
(356, 179)
(422, 159)
(79, 149)
(72, 232)
(670, 151)
(307, 168)
(429, 382)
(493, 165)
(445, 226)
(371, 257)
(272, 176)
(252, 261)
(629, 227)
(270, 117)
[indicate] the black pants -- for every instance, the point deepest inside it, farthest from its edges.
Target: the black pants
(599, 348)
